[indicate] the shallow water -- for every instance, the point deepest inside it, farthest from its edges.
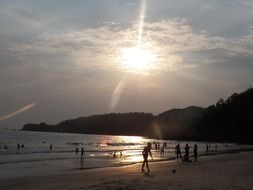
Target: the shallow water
(99, 150)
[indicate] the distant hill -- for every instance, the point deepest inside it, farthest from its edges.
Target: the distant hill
(180, 123)
(227, 120)
(111, 124)
(143, 124)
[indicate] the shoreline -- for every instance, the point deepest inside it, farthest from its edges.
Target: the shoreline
(211, 153)
(234, 166)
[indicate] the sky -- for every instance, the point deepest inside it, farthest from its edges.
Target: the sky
(64, 59)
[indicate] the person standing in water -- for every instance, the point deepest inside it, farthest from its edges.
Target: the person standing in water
(207, 147)
(178, 152)
(82, 154)
(76, 150)
(145, 152)
(186, 156)
(162, 151)
(195, 152)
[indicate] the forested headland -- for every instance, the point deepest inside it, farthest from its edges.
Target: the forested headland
(228, 120)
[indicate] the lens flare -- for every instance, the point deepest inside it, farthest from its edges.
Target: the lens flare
(25, 108)
(117, 93)
(141, 22)
(135, 59)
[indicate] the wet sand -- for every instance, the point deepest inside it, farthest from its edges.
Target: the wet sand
(224, 171)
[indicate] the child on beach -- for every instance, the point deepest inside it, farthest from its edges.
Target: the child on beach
(145, 152)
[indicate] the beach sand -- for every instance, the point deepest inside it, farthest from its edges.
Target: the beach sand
(227, 171)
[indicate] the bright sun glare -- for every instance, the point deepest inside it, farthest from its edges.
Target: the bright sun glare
(137, 59)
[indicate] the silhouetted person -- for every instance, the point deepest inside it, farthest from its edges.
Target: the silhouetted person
(145, 152)
(207, 147)
(162, 152)
(76, 150)
(121, 154)
(51, 147)
(186, 156)
(195, 152)
(18, 146)
(5, 147)
(82, 154)
(178, 151)
(114, 155)
(22, 146)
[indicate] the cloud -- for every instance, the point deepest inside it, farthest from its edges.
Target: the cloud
(168, 39)
(19, 111)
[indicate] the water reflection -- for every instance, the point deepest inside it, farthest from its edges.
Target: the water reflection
(133, 159)
(99, 149)
(130, 139)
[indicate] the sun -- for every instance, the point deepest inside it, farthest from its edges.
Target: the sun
(137, 59)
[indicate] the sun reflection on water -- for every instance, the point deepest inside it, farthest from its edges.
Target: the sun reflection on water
(130, 139)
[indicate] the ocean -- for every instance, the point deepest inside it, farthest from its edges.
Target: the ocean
(99, 151)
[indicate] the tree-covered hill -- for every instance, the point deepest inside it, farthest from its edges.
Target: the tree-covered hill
(230, 119)
(227, 120)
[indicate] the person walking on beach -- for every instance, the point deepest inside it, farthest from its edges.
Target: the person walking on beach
(195, 152)
(178, 152)
(145, 152)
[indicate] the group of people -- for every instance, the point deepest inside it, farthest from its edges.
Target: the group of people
(20, 146)
(160, 148)
(157, 145)
(187, 150)
(147, 151)
(82, 153)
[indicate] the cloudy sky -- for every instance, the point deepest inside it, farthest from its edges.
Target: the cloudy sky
(62, 59)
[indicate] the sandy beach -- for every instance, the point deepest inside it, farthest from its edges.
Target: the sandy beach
(225, 171)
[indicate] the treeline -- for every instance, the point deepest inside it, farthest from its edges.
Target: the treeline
(230, 119)
(227, 120)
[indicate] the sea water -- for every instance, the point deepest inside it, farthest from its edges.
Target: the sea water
(99, 151)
